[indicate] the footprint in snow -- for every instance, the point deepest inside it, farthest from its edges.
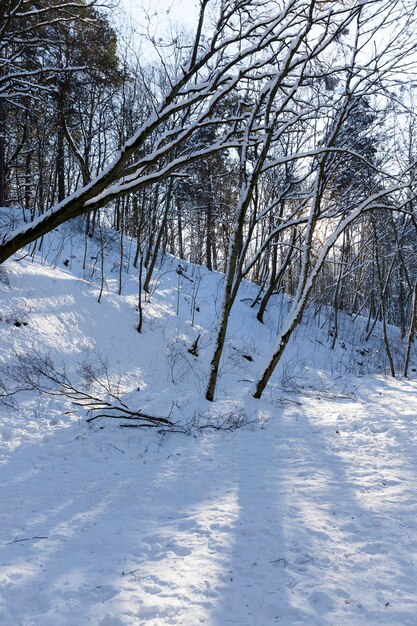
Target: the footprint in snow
(110, 620)
(374, 548)
(321, 602)
(179, 550)
(105, 592)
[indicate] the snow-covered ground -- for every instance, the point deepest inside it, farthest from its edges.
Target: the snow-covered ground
(308, 515)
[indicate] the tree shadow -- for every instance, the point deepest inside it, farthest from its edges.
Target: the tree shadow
(100, 527)
(352, 496)
(290, 524)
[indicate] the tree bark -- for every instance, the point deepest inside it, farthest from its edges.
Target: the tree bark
(2, 154)
(411, 331)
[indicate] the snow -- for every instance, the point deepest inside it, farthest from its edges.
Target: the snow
(306, 516)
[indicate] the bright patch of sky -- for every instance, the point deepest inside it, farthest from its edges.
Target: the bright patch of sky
(162, 14)
(150, 23)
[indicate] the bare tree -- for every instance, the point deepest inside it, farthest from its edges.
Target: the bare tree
(306, 88)
(241, 43)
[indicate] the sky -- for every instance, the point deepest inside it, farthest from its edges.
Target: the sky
(163, 12)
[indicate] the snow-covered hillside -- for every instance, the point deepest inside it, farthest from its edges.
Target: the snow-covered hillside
(307, 514)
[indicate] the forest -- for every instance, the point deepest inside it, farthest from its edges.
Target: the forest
(277, 145)
(230, 206)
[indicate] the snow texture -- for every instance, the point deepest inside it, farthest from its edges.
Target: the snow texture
(308, 516)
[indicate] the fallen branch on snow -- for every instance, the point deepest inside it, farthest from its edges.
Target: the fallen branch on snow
(38, 372)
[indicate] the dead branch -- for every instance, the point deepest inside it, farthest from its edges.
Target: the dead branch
(38, 372)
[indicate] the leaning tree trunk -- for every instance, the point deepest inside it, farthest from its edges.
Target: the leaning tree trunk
(276, 357)
(152, 262)
(228, 299)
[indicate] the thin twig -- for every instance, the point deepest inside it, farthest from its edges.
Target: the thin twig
(25, 539)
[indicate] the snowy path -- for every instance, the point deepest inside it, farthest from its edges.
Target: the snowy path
(312, 520)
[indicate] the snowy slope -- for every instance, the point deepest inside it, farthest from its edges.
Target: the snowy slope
(308, 515)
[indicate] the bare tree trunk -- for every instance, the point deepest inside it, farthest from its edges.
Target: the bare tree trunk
(157, 245)
(228, 300)
(382, 291)
(209, 236)
(282, 343)
(28, 184)
(337, 293)
(411, 331)
(139, 228)
(180, 237)
(2, 154)
(154, 212)
(121, 249)
(277, 278)
(60, 155)
(101, 264)
(140, 307)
